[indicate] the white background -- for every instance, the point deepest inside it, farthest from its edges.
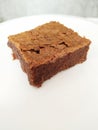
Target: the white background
(16, 8)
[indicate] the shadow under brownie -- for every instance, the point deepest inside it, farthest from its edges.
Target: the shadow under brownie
(47, 50)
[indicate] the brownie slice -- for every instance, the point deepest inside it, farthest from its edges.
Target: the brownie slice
(48, 49)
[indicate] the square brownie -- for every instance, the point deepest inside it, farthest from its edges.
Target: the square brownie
(47, 50)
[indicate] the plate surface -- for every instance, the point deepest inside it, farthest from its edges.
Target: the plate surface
(68, 101)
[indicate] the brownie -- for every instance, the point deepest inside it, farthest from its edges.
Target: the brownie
(47, 50)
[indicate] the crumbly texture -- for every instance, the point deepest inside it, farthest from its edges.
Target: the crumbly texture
(48, 49)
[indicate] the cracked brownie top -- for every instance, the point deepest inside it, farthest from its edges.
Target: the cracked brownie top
(47, 42)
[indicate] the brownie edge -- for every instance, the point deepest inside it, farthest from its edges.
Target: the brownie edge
(46, 71)
(42, 62)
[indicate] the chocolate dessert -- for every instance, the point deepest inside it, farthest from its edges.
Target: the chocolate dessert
(47, 50)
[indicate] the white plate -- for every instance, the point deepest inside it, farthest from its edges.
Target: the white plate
(68, 101)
